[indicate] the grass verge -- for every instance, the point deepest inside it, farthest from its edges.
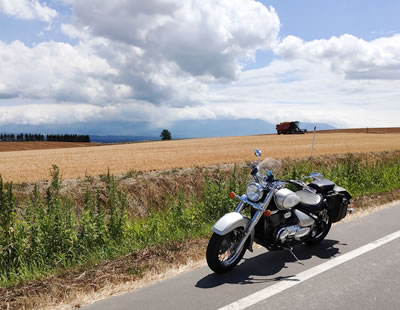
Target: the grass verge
(51, 247)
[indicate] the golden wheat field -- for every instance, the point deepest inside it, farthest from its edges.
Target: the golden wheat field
(34, 165)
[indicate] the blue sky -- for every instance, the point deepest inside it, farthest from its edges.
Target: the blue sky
(33, 31)
(68, 63)
(313, 19)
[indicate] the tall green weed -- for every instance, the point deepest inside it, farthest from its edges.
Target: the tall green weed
(48, 233)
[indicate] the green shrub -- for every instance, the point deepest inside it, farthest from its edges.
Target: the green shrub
(50, 233)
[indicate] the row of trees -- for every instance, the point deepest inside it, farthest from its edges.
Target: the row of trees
(39, 137)
(68, 138)
(22, 137)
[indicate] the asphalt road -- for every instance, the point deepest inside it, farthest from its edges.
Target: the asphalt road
(370, 280)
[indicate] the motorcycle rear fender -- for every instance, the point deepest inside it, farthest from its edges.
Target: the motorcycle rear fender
(341, 190)
(231, 221)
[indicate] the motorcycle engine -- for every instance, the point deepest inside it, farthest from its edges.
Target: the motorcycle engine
(300, 228)
(288, 233)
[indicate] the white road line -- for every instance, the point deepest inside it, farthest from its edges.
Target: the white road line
(305, 275)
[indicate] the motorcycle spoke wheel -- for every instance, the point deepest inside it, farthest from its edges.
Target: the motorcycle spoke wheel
(222, 254)
(319, 232)
(227, 252)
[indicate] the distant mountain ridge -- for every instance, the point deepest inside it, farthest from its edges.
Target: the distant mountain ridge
(239, 127)
(320, 126)
(125, 131)
(208, 129)
(121, 139)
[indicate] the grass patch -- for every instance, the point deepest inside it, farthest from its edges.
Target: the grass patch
(47, 233)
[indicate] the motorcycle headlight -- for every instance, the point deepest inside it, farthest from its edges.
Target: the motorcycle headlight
(254, 192)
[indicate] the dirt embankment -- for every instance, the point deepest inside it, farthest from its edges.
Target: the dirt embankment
(150, 189)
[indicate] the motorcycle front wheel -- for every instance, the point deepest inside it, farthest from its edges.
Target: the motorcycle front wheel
(222, 254)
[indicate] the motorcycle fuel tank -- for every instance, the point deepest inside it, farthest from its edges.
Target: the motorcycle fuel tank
(286, 199)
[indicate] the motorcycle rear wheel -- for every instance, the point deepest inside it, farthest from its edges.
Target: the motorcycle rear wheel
(221, 251)
(319, 232)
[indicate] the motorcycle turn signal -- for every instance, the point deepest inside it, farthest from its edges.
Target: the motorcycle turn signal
(267, 213)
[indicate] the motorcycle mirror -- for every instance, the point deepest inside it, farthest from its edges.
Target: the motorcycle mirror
(257, 152)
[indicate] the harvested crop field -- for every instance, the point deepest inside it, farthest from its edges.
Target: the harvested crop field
(23, 146)
(34, 165)
(363, 130)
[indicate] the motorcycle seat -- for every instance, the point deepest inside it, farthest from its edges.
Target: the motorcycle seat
(309, 201)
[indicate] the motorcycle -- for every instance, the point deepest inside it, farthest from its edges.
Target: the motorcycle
(280, 217)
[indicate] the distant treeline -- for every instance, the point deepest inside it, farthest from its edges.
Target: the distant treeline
(68, 138)
(22, 137)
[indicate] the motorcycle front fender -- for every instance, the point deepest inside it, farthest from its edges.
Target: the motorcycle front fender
(231, 221)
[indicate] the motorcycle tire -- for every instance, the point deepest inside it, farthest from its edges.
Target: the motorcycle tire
(320, 234)
(219, 245)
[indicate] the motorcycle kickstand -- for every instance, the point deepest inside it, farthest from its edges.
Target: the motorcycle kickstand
(295, 257)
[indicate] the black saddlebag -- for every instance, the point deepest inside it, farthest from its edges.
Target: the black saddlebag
(337, 206)
(322, 186)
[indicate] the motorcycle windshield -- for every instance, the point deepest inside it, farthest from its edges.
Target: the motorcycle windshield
(269, 166)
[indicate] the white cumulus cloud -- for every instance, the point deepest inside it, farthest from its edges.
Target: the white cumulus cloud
(54, 70)
(207, 38)
(27, 9)
(164, 52)
(311, 92)
(161, 61)
(347, 54)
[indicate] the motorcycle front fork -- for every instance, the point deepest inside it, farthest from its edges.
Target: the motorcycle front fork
(239, 207)
(251, 226)
(254, 220)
